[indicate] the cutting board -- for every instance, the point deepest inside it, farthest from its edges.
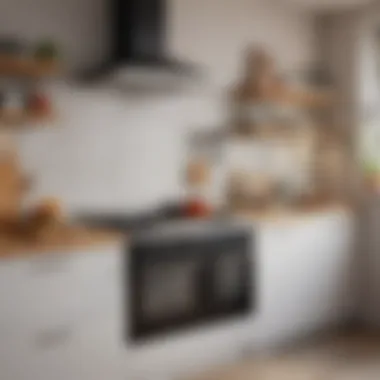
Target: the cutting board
(12, 180)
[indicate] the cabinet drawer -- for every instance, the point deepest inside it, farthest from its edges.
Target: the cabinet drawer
(313, 232)
(46, 294)
(92, 348)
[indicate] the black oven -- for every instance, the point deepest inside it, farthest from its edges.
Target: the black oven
(183, 277)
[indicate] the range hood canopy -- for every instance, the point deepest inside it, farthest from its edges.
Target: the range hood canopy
(139, 36)
(139, 57)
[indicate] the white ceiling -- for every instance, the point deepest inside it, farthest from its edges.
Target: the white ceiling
(330, 4)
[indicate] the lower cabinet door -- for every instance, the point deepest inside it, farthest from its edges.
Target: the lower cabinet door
(305, 275)
(46, 306)
(90, 349)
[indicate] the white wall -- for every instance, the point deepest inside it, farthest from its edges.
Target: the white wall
(352, 54)
(112, 150)
(368, 26)
(368, 97)
(211, 32)
(108, 152)
(216, 32)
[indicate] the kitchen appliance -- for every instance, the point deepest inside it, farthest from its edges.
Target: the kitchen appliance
(185, 274)
(139, 53)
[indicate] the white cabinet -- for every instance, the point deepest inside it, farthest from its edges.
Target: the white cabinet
(304, 284)
(369, 279)
(50, 306)
(63, 317)
(305, 270)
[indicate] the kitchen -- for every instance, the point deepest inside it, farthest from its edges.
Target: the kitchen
(65, 314)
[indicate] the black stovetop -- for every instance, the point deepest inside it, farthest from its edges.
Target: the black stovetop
(129, 222)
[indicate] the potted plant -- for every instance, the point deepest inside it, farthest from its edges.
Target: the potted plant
(47, 54)
(372, 175)
(46, 50)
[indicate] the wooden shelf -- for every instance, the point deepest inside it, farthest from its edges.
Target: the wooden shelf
(22, 119)
(28, 67)
(273, 133)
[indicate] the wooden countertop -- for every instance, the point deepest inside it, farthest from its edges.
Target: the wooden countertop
(287, 215)
(76, 238)
(64, 240)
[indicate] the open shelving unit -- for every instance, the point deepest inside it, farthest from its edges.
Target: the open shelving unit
(28, 67)
(30, 71)
(281, 148)
(19, 120)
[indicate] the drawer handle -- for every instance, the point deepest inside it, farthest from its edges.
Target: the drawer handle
(50, 265)
(54, 337)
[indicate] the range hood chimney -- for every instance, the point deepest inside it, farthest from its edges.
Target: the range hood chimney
(139, 33)
(139, 57)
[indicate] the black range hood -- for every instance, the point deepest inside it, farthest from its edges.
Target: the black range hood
(139, 36)
(139, 58)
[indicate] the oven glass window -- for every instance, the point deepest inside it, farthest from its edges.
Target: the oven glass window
(228, 279)
(169, 289)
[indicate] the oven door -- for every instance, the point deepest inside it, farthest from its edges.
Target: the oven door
(165, 286)
(180, 284)
(229, 285)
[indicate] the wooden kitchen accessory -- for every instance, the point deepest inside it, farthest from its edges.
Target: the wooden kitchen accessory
(22, 77)
(264, 102)
(198, 172)
(45, 220)
(13, 183)
(247, 190)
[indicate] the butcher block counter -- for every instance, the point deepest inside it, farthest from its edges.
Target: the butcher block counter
(283, 215)
(64, 239)
(79, 238)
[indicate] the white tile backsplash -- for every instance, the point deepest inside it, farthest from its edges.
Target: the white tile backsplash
(119, 153)
(113, 152)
